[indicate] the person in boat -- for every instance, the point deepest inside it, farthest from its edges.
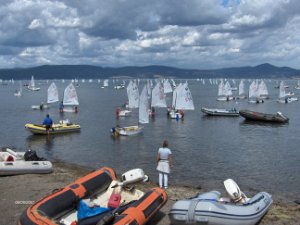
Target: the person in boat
(164, 162)
(42, 106)
(114, 131)
(48, 123)
(61, 106)
(76, 109)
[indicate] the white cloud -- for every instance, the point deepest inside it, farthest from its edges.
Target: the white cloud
(195, 34)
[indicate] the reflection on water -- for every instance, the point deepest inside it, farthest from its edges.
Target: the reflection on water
(263, 124)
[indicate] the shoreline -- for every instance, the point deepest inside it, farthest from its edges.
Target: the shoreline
(19, 191)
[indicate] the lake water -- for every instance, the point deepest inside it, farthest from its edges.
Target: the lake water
(206, 150)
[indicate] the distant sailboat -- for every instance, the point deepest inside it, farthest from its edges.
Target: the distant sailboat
(133, 95)
(70, 100)
(224, 92)
(285, 97)
(18, 93)
(242, 93)
(32, 86)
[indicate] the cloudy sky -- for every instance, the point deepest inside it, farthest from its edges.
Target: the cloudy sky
(201, 34)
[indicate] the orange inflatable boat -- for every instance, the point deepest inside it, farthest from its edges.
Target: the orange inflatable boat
(98, 188)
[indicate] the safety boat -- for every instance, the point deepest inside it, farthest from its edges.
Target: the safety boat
(264, 117)
(15, 163)
(220, 112)
(98, 198)
(126, 131)
(64, 126)
(211, 209)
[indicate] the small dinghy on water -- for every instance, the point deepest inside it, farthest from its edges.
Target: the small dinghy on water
(98, 198)
(285, 97)
(64, 126)
(220, 112)
(264, 117)
(211, 209)
(32, 86)
(126, 131)
(15, 163)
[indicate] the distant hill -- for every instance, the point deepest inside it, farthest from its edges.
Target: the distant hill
(94, 72)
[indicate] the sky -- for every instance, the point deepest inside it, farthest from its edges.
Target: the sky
(190, 34)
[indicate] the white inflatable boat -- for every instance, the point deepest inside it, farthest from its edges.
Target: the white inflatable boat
(210, 209)
(14, 163)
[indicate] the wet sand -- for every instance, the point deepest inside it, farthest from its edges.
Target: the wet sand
(18, 191)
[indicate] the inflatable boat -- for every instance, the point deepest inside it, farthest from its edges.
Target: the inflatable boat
(210, 209)
(58, 128)
(264, 117)
(220, 112)
(122, 204)
(126, 131)
(14, 163)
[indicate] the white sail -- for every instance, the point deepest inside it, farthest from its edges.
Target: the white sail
(221, 89)
(158, 96)
(241, 88)
(52, 93)
(262, 89)
(227, 89)
(32, 83)
(167, 86)
(175, 94)
(105, 83)
(184, 98)
(144, 106)
(253, 90)
(70, 95)
(282, 93)
(133, 95)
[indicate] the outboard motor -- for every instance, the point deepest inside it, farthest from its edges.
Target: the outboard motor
(234, 191)
(30, 155)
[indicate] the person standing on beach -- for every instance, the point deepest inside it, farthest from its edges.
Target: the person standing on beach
(164, 162)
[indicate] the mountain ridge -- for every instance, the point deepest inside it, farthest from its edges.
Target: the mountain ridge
(264, 70)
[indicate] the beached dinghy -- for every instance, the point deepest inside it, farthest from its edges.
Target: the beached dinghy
(210, 209)
(220, 112)
(264, 117)
(64, 126)
(119, 203)
(14, 163)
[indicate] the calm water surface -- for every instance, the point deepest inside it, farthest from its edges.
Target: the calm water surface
(206, 150)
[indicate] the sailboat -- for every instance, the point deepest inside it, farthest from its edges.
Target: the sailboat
(285, 97)
(32, 86)
(182, 100)
(263, 90)
(70, 100)
(105, 83)
(18, 93)
(242, 94)
(298, 85)
(224, 92)
(253, 94)
(52, 96)
(143, 117)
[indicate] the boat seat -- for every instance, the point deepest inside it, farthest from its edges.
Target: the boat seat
(59, 205)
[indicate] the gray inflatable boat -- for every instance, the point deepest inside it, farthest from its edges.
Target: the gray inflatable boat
(210, 209)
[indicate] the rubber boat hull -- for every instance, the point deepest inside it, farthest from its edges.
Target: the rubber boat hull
(206, 209)
(220, 112)
(20, 166)
(57, 128)
(264, 117)
(50, 209)
(127, 131)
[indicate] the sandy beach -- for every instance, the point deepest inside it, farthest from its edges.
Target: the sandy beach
(19, 191)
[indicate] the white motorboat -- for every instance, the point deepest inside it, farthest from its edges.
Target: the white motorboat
(126, 131)
(211, 209)
(14, 163)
